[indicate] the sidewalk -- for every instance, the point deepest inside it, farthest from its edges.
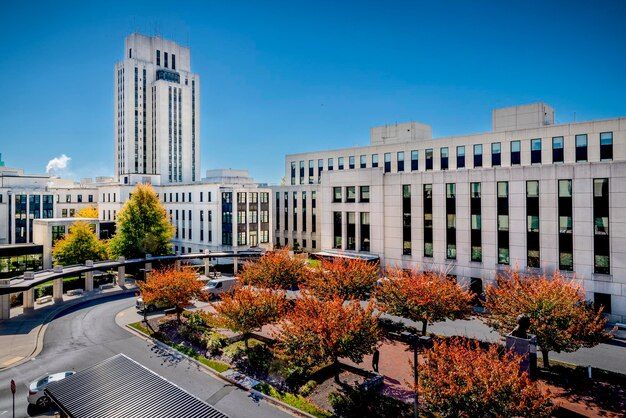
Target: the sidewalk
(395, 364)
(21, 337)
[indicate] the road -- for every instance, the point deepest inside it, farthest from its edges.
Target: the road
(87, 334)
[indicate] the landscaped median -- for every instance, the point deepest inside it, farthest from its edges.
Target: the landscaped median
(296, 403)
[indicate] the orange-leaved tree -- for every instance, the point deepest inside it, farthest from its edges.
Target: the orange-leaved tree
(347, 278)
(425, 297)
(275, 269)
(318, 331)
(171, 286)
(461, 379)
(247, 309)
(559, 315)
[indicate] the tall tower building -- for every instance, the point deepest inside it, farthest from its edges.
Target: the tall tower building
(157, 112)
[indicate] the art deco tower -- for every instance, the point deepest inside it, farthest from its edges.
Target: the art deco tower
(157, 112)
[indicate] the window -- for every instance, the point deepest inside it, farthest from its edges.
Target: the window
(535, 151)
(90, 198)
(478, 155)
(337, 230)
(387, 162)
(451, 221)
(351, 162)
(350, 231)
(79, 198)
(428, 219)
(602, 300)
(336, 194)
(581, 147)
(406, 219)
(460, 156)
(364, 194)
(502, 208)
(173, 62)
(516, 158)
(601, 226)
(330, 164)
(400, 161)
(340, 163)
(320, 168)
(557, 149)
(374, 160)
(165, 56)
(363, 161)
(365, 231)
(429, 159)
(444, 158)
(301, 172)
(606, 146)
(496, 150)
(311, 171)
(565, 239)
(414, 156)
(532, 224)
(68, 198)
(350, 194)
(475, 232)
(158, 57)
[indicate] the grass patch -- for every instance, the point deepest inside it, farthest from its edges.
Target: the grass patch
(215, 365)
(314, 263)
(232, 349)
(297, 401)
(141, 328)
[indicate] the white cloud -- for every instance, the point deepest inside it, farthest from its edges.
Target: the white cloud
(57, 164)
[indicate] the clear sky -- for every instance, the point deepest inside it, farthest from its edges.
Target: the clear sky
(297, 76)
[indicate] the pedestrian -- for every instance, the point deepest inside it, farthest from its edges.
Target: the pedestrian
(375, 359)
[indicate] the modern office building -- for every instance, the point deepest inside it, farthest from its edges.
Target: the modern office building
(157, 112)
(531, 194)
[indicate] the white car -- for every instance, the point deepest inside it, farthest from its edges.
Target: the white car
(35, 389)
(216, 287)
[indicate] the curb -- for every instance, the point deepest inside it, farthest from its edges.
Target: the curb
(254, 392)
(52, 314)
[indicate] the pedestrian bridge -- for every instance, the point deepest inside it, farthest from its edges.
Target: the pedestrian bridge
(26, 283)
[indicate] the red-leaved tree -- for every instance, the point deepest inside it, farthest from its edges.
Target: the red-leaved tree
(171, 287)
(247, 309)
(275, 269)
(559, 315)
(318, 331)
(425, 297)
(346, 278)
(460, 379)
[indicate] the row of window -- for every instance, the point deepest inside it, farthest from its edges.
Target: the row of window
(252, 197)
(565, 241)
(350, 241)
(535, 148)
(348, 194)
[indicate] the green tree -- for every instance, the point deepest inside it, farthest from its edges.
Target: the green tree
(79, 245)
(142, 226)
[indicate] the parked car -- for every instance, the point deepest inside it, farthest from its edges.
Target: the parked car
(141, 306)
(218, 286)
(36, 396)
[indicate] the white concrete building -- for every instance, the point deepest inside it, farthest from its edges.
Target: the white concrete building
(157, 111)
(531, 194)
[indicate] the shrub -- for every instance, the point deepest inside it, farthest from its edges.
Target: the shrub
(213, 341)
(307, 388)
(364, 403)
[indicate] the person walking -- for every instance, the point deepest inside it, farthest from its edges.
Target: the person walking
(375, 358)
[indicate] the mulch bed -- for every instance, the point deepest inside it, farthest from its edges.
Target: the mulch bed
(319, 396)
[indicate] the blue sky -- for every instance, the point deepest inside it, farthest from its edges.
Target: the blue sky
(297, 76)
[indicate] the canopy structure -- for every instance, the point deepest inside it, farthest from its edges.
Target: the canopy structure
(346, 254)
(121, 387)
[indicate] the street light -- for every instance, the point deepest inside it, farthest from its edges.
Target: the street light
(417, 341)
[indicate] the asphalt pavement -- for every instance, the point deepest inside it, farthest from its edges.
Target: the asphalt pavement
(88, 333)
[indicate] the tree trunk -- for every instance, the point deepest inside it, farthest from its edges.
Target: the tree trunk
(336, 370)
(424, 325)
(546, 361)
(245, 341)
(178, 311)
